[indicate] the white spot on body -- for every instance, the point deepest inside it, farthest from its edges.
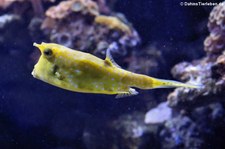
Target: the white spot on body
(75, 85)
(70, 76)
(68, 54)
(98, 85)
(102, 88)
(77, 71)
(72, 83)
(60, 58)
(66, 73)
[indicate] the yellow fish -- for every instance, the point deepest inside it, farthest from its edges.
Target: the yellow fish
(82, 72)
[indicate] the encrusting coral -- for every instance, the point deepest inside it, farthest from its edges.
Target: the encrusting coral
(112, 23)
(78, 24)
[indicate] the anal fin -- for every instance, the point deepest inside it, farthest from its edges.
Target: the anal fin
(131, 92)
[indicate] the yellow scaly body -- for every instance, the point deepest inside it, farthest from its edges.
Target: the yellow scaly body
(82, 72)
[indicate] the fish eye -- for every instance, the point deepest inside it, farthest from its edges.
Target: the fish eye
(48, 52)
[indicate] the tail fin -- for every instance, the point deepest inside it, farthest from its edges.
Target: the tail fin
(160, 83)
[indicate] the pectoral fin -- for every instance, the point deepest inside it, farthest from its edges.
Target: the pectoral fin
(131, 92)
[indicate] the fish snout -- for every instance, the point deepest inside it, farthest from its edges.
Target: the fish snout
(33, 73)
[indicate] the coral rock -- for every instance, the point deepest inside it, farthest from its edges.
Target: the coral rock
(181, 132)
(215, 42)
(197, 73)
(67, 7)
(6, 3)
(134, 133)
(103, 8)
(201, 129)
(208, 71)
(219, 66)
(77, 24)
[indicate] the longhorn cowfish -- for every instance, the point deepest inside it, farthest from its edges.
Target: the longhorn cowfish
(83, 72)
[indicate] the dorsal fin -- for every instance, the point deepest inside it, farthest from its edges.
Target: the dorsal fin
(109, 58)
(131, 92)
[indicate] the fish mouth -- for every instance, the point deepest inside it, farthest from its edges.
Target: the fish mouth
(33, 73)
